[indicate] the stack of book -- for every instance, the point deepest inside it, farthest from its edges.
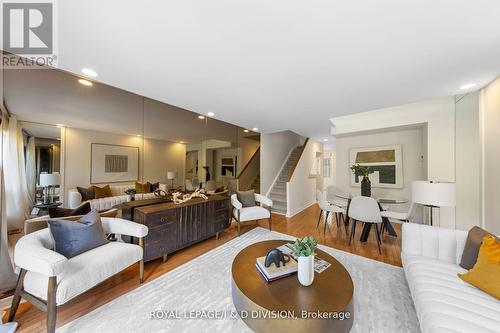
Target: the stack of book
(273, 273)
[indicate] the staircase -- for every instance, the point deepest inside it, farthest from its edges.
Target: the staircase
(278, 192)
(256, 184)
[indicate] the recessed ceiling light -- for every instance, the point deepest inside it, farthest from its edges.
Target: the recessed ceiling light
(201, 117)
(138, 135)
(325, 140)
(58, 139)
(89, 72)
(467, 86)
(211, 114)
(85, 82)
(60, 125)
(255, 129)
(181, 141)
(246, 131)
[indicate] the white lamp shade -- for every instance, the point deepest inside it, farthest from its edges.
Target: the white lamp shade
(171, 175)
(50, 179)
(439, 194)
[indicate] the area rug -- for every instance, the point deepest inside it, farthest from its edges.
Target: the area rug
(382, 301)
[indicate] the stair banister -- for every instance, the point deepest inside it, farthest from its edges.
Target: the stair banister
(292, 169)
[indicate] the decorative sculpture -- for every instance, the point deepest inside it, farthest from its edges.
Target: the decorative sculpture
(179, 198)
(277, 257)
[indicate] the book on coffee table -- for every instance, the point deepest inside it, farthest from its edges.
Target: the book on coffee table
(319, 264)
(273, 273)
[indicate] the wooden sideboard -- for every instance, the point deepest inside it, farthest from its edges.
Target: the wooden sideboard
(173, 227)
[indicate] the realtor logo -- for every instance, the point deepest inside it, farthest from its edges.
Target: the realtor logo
(29, 38)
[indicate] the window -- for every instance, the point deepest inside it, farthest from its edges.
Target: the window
(327, 167)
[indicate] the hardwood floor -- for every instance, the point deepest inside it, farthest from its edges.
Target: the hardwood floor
(31, 319)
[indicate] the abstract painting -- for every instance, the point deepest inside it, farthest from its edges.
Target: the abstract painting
(113, 163)
(385, 161)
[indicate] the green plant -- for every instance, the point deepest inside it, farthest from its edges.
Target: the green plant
(130, 191)
(361, 170)
(305, 247)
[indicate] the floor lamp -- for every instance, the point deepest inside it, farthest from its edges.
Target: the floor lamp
(171, 177)
(433, 194)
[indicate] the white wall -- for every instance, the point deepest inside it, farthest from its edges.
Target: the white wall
(490, 139)
(274, 149)
(439, 117)
(468, 153)
(301, 189)
(162, 156)
(412, 151)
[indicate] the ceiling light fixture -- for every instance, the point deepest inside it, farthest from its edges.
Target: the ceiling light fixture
(60, 125)
(201, 117)
(138, 135)
(89, 72)
(181, 141)
(246, 131)
(325, 140)
(467, 86)
(211, 114)
(85, 82)
(255, 129)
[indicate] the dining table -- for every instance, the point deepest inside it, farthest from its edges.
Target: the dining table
(381, 200)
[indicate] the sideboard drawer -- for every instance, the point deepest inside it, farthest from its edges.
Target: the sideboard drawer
(163, 217)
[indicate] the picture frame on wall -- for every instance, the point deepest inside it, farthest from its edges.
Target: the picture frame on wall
(386, 161)
(113, 163)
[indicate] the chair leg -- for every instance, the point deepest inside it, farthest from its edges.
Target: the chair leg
(238, 221)
(337, 219)
(319, 218)
(141, 262)
(353, 231)
(51, 305)
(17, 297)
(326, 222)
(344, 222)
(270, 218)
(378, 238)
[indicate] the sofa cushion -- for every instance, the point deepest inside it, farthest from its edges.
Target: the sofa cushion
(74, 238)
(86, 193)
(86, 270)
(102, 192)
(154, 186)
(485, 274)
(252, 213)
(247, 198)
(443, 302)
(64, 212)
(142, 188)
(472, 245)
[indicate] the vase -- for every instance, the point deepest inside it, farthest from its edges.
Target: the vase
(306, 270)
(366, 187)
(132, 197)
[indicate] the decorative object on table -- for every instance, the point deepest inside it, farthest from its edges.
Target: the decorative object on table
(131, 192)
(276, 257)
(272, 272)
(207, 173)
(171, 177)
(179, 197)
(364, 171)
(160, 193)
(304, 250)
(386, 162)
(433, 194)
(49, 181)
(113, 163)
(320, 265)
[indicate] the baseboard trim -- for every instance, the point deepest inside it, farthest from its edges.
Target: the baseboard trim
(297, 211)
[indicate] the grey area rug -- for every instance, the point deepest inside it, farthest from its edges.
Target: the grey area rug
(381, 295)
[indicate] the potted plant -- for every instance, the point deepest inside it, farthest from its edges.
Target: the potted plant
(363, 171)
(131, 192)
(304, 250)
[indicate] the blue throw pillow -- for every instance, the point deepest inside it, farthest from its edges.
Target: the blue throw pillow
(74, 238)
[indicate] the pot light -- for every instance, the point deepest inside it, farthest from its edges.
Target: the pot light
(255, 129)
(181, 142)
(211, 114)
(325, 140)
(60, 125)
(138, 135)
(89, 72)
(467, 86)
(201, 117)
(246, 131)
(85, 82)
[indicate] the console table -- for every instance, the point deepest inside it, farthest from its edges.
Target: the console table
(173, 227)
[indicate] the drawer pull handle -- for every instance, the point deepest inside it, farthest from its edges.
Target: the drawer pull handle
(163, 220)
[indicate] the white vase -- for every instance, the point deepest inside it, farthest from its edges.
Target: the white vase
(306, 270)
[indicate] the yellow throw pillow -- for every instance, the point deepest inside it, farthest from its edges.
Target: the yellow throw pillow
(102, 192)
(142, 188)
(485, 274)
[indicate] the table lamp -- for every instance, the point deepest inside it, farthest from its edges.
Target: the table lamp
(48, 180)
(171, 177)
(433, 194)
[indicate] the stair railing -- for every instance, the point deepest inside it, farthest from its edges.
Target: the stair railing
(250, 171)
(292, 169)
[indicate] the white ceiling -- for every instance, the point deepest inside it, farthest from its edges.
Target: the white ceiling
(283, 64)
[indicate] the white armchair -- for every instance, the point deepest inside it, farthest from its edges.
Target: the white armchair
(243, 214)
(48, 279)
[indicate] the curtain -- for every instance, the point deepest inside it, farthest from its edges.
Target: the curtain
(16, 192)
(7, 276)
(31, 168)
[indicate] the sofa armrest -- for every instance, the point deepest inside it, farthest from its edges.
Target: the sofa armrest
(235, 202)
(32, 253)
(113, 225)
(433, 242)
(74, 198)
(263, 200)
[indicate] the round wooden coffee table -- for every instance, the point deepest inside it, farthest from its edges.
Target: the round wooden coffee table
(287, 306)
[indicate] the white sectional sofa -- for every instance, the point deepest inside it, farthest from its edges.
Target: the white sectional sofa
(444, 303)
(119, 196)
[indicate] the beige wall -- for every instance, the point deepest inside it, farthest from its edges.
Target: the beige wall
(490, 139)
(162, 156)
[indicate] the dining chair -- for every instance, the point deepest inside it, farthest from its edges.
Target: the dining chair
(327, 208)
(366, 210)
(398, 216)
(333, 198)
